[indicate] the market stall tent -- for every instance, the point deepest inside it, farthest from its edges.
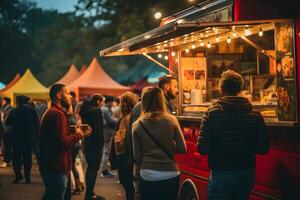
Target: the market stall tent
(95, 80)
(70, 76)
(11, 83)
(28, 85)
(2, 85)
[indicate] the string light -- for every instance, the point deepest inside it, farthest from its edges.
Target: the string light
(159, 56)
(157, 15)
(208, 45)
(187, 50)
(247, 32)
(234, 35)
(193, 46)
(217, 38)
(173, 54)
(166, 57)
(201, 43)
(228, 39)
(260, 33)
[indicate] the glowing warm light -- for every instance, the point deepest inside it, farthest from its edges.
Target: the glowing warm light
(166, 57)
(193, 46)
(180, 21)
(208, 45)
(173, 54)
(159, 56)
(234, 35)
(157, 15)
(228, 40)
(260, 33)
(201, 43)
(187, 51)
(247, 32)
(217, 38)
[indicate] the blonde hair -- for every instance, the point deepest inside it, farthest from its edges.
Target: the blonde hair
(127, 102)
(153, 101)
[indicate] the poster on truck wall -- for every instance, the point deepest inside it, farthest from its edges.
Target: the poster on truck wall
(285, 67)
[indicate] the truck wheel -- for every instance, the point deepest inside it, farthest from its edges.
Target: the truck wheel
(188, 193)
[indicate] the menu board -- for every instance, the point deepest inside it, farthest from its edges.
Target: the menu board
(285, 68)
(193, 70)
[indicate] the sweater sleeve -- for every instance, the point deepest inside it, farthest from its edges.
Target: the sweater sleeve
(263, 143)
(66, 140)
(137, 149)
(179, 138)
(203, 137)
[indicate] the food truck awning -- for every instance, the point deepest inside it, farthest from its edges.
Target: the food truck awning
(186, 33)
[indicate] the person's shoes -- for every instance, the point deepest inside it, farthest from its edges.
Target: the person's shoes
(95, 197)
(76, 192)
(106, 174)
(3, 164)
(17, 180)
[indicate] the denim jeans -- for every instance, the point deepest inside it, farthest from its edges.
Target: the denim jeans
(55, 186)
(231, 185)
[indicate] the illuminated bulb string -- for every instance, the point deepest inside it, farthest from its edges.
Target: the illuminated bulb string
(260, 33)
(228, 40)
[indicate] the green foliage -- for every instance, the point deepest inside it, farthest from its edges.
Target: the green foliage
(49, 42)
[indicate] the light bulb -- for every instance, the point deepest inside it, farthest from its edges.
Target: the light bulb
(166, 57)
(260, 33)
(173, 54)
(187, 51)
(228, 40)
(201, 43)
(193, 46)
(208, 45)
(247, 32)
(217, 38)
(234, 35)
(159, 56)
(157, 15)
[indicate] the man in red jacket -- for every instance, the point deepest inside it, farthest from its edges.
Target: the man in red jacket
(55, 145)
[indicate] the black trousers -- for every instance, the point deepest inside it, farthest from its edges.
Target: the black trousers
(159, 190)
(22, 155)
(93, 160)
(7, 141)
(125, 171)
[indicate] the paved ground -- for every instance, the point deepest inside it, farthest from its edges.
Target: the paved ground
(107, 187)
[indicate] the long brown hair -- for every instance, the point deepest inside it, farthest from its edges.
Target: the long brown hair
(127, 102)
(153, 101)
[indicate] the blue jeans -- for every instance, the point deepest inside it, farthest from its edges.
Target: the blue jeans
(56, 186)
(231, 185)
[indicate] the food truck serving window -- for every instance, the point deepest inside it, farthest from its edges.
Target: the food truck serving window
(262, 51)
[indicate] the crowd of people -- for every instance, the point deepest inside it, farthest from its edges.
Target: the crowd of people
(137, 136)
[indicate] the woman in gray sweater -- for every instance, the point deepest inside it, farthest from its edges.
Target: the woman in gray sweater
(157, 136)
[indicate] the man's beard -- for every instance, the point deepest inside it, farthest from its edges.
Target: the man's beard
(170, 95)
(65, 103)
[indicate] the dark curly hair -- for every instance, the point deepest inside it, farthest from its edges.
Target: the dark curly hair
(231, 83)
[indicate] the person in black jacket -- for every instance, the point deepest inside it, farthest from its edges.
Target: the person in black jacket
(231, 134)
(91, 114)
(25, 125)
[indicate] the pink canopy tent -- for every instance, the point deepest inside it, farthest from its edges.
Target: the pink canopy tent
(95, 80)
(11, 83)
(70, 76)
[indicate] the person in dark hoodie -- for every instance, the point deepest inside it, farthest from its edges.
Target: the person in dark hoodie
(91, 114)
(231, 134)
(25, 126)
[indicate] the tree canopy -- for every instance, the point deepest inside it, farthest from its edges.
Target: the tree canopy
(49, 42)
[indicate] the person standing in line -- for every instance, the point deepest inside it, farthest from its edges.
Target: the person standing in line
(55, 143)
(157, 136)
(110, 124)
(231, 134)
(25, 124)
(125, 167)
(169, 86)
(91, 114)
(7, 138)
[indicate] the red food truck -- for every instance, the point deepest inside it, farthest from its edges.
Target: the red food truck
(261, 40)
